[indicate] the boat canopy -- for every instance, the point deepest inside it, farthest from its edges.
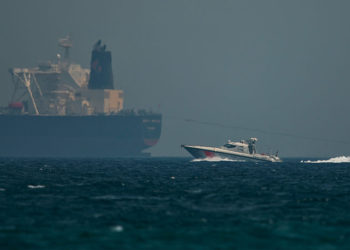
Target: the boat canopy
(247, 146)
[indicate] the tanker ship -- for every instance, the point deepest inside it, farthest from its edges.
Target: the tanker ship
(63, 110)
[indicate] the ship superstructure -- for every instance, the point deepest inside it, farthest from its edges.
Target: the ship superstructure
(62, 109)
(66, 88)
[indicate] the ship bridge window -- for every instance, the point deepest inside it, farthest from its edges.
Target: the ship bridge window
(230, 146)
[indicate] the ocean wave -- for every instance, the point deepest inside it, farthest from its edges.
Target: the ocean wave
(194, 191)
(339, 159)
(211, 159)
(127, 197)
(35, 186)
(106, 197)
(117, 228)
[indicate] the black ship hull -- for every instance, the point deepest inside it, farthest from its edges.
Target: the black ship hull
(78, 136)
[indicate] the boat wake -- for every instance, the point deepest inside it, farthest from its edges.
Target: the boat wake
(216, 159)
(339, 159)
(36, 186)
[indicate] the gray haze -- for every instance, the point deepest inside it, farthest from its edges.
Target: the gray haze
(280, 66)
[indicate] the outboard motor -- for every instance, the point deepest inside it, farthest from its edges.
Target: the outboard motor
(101, 75)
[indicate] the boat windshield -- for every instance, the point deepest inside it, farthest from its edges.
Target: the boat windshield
(229, 145)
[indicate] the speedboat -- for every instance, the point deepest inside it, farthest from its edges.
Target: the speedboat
(242, 150)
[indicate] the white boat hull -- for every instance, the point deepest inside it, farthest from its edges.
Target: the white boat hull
(201, 152)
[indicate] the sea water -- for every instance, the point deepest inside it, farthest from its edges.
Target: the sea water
(174, 203)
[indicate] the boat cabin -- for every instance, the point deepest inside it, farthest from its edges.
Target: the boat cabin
(243, 146)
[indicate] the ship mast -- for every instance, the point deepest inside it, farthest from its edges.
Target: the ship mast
(66, 44)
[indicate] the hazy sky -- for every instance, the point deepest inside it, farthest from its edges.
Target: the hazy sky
(280, 66)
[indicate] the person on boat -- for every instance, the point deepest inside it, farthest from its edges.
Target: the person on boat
(251, 146)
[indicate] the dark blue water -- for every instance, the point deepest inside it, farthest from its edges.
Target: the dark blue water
(172, 203)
